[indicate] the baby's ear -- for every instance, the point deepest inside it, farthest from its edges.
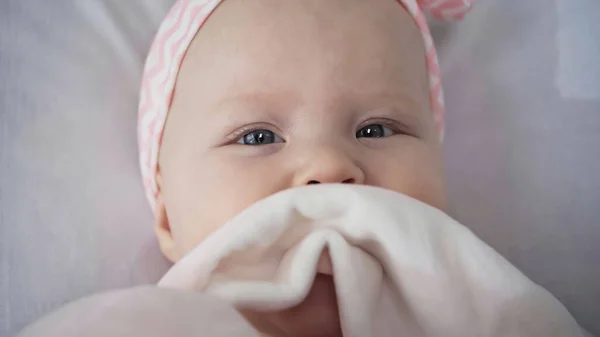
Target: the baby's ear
(162, 227)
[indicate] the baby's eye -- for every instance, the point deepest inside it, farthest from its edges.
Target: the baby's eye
(260, 137)
(374, 131)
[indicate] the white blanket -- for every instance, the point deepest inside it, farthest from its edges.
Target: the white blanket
(401, 268)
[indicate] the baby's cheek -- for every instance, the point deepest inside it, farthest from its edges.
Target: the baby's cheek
(417, 172)
(210, 213)
(427, 185)
(217, 191)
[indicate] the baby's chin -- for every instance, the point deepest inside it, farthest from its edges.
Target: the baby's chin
(316, 316)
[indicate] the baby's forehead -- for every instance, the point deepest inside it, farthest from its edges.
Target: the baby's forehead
(300, 13)
(303, 50)
(276, 25)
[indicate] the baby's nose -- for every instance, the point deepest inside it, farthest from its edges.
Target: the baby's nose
(326, 166)
(346, 181)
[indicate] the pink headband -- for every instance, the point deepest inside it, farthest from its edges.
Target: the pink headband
(177, 32)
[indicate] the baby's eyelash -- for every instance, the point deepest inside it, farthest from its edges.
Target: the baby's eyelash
(237, 134)
(395, 126)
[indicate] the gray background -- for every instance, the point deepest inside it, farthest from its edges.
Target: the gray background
(522, 82)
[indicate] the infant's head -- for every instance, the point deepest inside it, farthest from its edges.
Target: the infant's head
(274, 94)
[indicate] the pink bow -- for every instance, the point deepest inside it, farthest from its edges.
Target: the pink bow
(446, 9)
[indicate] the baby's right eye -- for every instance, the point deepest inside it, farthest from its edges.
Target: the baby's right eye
(259, 137)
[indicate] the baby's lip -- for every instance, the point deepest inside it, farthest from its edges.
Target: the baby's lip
(324, 265)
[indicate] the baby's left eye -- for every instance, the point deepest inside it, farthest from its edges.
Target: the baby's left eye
(260, 137)
(374, 131)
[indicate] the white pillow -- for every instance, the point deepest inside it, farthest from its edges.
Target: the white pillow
(521, 146)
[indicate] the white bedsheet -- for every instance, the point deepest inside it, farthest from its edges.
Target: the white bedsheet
(522, 146)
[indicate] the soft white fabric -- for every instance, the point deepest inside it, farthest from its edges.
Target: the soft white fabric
(401, 267)
(143, 312)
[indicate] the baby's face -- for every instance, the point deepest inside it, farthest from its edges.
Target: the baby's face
(274, 94)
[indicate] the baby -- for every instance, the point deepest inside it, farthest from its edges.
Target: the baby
(275, 94)
(242, 99)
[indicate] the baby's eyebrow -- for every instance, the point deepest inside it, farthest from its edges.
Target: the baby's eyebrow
(276, 106)
(398, 99)
(291, 98)
(409, 120)
(235, 110)
(261, 99)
